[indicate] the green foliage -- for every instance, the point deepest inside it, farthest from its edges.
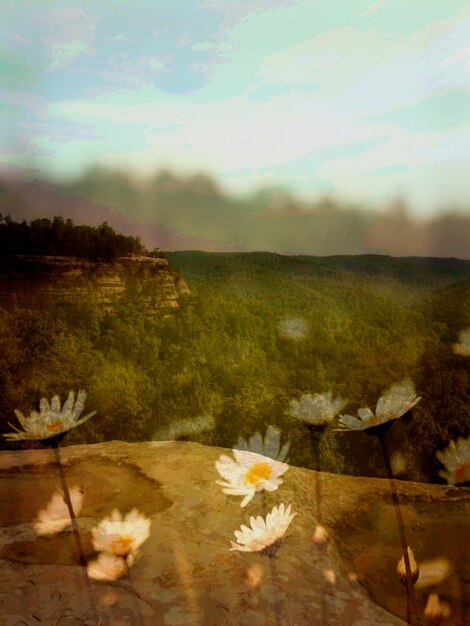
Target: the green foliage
(369, 322)
(64, 238)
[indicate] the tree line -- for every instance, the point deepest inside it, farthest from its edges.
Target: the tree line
(61, 237)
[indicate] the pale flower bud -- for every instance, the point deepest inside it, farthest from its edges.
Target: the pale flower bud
(398, 463)
(435, 609)
(320, 535)
(107, 567)
(414, 569)
(433, 572)
(254, 575)
(330, 576)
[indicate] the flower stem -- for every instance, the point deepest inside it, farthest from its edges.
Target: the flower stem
(411, 612)
(316, 466)
(274, 575)
(276, 582)
(319, 430)
(76, 533)
(135, 595)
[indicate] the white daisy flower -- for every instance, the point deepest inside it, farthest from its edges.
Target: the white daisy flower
(456, 459)
(248, 474)
(258, 465)
(51, 420)
(264, 536)
(56, 517)
(271, 446)
(107, 567)
(395, 402)
(318, 409)
(462, 348)
(121, 536)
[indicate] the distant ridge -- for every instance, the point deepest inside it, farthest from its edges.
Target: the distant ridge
(36, 199)
(414, 270)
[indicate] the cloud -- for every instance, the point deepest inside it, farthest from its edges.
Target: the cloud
(64, 53)
(21, 39)
(396, 232)
(202, 46)
(388, 169)
(441, 112)
(159, 63)
(459, 57)
(332, 61)
(345, 56)
(373, 7)
(219, 133)
(249, 91)
(67, 32)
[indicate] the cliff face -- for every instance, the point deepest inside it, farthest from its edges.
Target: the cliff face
(185, 573)
(69, 279)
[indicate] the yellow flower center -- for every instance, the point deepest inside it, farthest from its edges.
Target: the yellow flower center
(257, 472)
(122, 545)
(54, 427)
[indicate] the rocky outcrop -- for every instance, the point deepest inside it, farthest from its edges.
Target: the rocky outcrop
(185, 573)
(69, 279)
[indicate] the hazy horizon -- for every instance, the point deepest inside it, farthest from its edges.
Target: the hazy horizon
(193, 212)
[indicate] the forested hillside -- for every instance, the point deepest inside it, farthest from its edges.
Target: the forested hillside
(259, 331)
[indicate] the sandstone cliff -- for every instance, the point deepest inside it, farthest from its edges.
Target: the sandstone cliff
(68, 279)
(186, 574)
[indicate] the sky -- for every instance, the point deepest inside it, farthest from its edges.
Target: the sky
(363, 101)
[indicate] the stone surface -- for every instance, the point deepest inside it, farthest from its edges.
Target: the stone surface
(185, 573)
(67, 279)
